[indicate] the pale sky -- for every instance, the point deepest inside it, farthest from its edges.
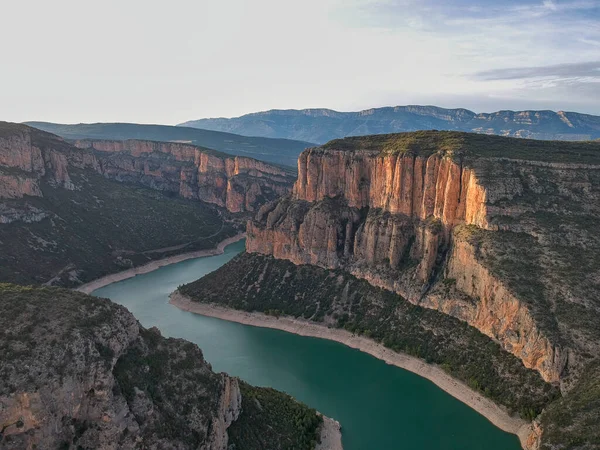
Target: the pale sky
(151, 61)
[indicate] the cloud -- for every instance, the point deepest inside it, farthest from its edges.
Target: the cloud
(567, 70)
(225, 58)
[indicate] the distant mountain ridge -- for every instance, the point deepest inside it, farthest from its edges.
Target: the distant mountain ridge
(277, 151)
(322, 125)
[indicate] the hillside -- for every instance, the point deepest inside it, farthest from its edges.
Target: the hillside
(276, 151)
(322, 125)
(499, 233)
(80, 372)
(69, 215)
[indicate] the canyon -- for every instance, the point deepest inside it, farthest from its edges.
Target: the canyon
(406, 221)
(238, 184)
(497, 232)
(72, 212)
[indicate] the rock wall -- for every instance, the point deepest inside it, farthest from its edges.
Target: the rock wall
(24, 162)
(391, 219)
(29, 157)
(229, 411)
(237, 183)
(415, 186)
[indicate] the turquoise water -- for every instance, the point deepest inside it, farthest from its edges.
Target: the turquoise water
(379, 406)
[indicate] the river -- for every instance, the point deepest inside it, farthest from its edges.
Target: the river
(380, 407)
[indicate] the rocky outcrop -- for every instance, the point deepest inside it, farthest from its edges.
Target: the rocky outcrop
(80, 372)
(390, 209)
(25, 160)
(237, 183)
(229, 411)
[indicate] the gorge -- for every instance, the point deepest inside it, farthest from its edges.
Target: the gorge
(496, 232)
(71, 212)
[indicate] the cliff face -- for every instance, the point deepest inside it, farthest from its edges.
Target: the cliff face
(414, 186)
(29, 157)
(237, 183)
(24, 161)
(402, 213)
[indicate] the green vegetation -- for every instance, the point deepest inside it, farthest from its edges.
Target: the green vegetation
(41, 331)
(102, 227)
(173, 375)
(254, 282)
(272, 420)
(572, 423)
(460, 144)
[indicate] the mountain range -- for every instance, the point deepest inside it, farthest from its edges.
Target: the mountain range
(322, 125)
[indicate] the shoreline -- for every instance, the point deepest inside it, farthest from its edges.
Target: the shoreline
(484, 406)
(98, 283)
(331, 434)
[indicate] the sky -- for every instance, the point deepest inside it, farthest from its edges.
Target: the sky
(149, 61)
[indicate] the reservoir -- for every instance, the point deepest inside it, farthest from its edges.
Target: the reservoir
(380, 407)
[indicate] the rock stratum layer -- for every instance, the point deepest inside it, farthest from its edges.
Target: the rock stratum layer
(474, 226)
(80, 372)
(234, 182)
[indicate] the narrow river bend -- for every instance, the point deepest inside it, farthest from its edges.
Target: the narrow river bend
(380, 407)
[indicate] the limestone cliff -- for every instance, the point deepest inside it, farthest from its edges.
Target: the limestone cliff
(25, 159)
(29, 157)
(475, 226)
(234, 182)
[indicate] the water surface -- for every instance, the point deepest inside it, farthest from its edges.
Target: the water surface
(380, 407)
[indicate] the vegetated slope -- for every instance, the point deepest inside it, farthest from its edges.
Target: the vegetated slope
(322, 125)
(498, 232)
(80, 372)
(61, 222)
(253, 282)
(277, 151)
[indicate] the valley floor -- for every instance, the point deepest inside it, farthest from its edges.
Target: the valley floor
(498, 416)
(153, 265)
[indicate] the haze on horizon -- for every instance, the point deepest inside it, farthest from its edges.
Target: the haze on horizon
(154, 62)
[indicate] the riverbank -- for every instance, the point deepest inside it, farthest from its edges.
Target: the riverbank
(498, 416)
(331, 435)
(153, 265)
